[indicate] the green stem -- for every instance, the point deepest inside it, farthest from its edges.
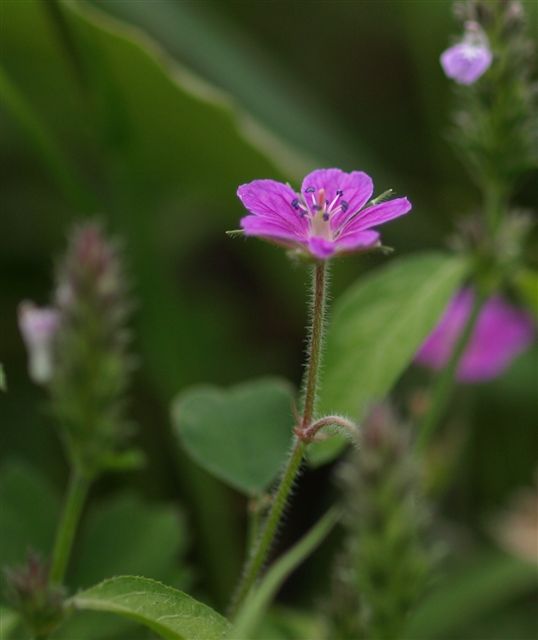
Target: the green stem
(258, 557)
(445, 383)
(316, 341)
(79, 485)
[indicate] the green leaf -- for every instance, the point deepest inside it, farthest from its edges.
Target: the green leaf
(241, 434)
(376, 328)
(257, 603)
(475, 589)
(172, 614)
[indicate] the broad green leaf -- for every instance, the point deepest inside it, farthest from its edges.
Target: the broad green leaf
(206, 37)
(172, 614)
(240, 434)
(121, 535)
(260, 599)
(473, 590)
(376, 328)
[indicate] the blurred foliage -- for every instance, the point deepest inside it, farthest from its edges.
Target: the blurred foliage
(152, 128)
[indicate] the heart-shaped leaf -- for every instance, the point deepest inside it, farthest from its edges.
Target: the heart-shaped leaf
(172, 614)
(241, 434)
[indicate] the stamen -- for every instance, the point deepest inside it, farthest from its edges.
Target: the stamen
(339, 193)
(325, 216)
(309, 190)
(345, 205)
(295, 203)
(330, 206)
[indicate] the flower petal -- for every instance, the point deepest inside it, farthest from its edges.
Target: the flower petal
(356, 241)
(321, 248)
(272, 200)
(465, 63)
(376, 215)
(357, 187)
(264, 227)
(501, 333)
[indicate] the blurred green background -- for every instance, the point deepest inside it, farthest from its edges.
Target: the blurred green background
(148, 114)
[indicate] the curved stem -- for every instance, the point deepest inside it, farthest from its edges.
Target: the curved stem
(79, 485)
(258, 557)
(444, 384)
(328, 421)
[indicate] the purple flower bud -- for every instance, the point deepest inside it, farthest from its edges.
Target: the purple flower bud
(38, 327)
(470, 58)
(501, 333)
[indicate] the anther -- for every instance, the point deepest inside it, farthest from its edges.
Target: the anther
(309, 190)
(295, 203)
(325, 216)
(339, 192)
(344, 205)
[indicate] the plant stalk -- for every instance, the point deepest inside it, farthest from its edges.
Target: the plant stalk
(77, 492)
(259, 554)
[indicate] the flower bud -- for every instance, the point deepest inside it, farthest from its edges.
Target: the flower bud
(469, 59)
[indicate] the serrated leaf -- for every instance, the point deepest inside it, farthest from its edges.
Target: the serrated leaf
(172, 614)
(240, 434)
(376, 329)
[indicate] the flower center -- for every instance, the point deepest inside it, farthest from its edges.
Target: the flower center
(318, 210)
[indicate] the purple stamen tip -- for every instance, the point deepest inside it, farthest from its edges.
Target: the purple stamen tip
(340, 192)
(325, 216)
(344, 205)
(295, 203)
(309, 190)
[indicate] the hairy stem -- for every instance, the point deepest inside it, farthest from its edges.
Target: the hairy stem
(444, 385)
(77, 492)
(264, 542)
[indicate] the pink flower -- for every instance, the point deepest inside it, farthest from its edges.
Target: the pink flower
(470, 58)
(38, 326)
(328, 215)
(501, 333)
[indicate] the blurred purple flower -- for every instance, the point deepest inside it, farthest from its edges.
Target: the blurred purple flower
(38, 327)
(470, 58)
(328, 216)
(502, 332)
